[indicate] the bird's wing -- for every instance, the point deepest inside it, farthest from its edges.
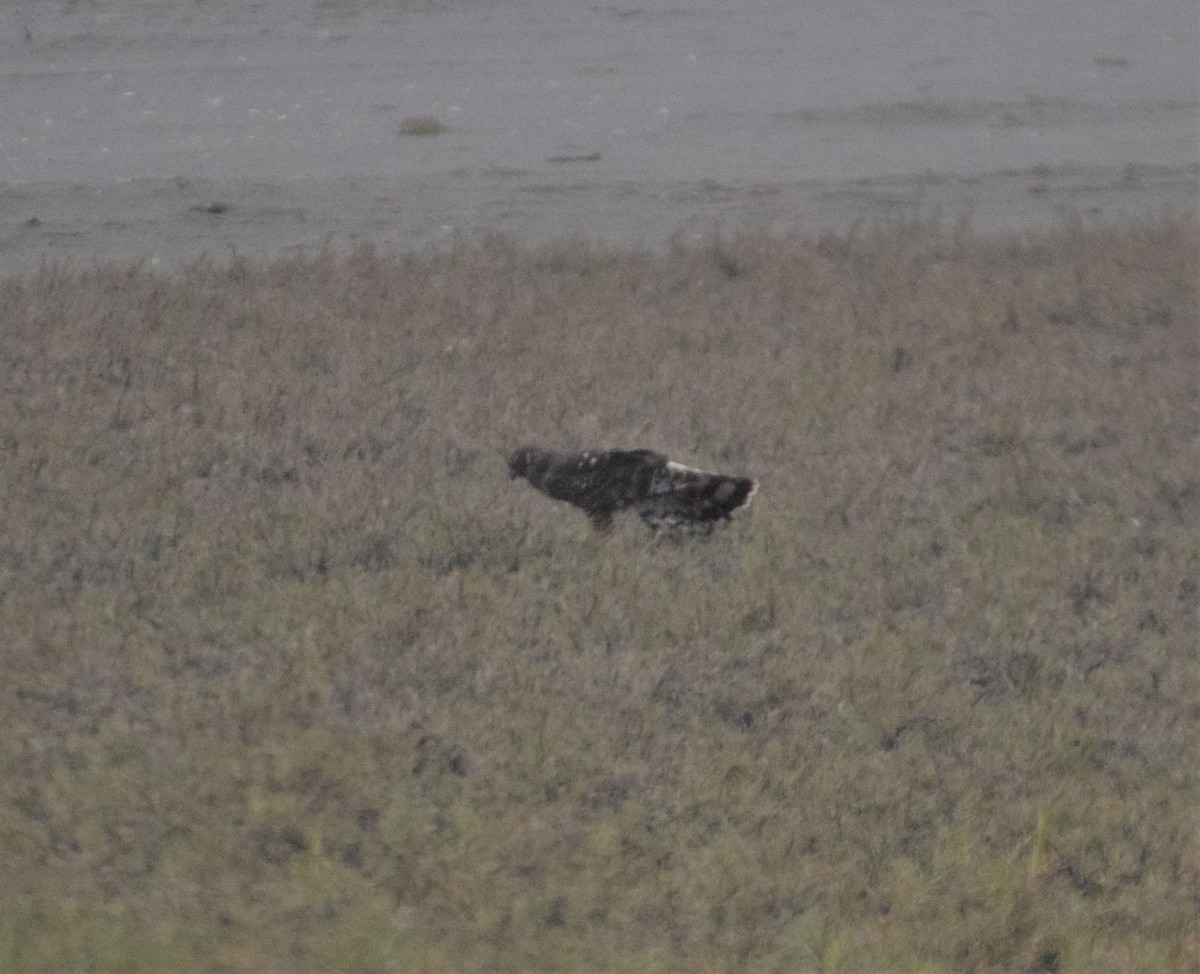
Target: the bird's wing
(604, 481)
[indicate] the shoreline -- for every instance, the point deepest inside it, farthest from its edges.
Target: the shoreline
(174, 221)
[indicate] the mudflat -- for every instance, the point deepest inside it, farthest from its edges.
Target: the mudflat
(167, 130)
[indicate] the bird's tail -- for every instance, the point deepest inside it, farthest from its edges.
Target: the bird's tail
(696, 498)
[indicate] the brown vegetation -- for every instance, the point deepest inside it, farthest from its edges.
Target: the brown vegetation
(294, 678)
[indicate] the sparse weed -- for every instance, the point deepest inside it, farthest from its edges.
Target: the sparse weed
(422, 125)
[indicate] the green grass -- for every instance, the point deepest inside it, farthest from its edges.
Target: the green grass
(294, 677)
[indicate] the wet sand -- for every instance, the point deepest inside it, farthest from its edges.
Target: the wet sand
(164, 131)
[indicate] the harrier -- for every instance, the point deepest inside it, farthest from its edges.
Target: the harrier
(665, 494)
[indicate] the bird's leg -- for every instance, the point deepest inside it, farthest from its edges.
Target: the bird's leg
(665, 534)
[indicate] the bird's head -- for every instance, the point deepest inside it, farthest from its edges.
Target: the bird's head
(525, 461)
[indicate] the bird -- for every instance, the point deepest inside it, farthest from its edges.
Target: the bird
(665, 494)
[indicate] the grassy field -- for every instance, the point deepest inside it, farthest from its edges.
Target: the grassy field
(294, 678)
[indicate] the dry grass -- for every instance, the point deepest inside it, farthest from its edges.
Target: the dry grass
(293, 677)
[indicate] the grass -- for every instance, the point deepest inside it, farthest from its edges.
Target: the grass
(295, 678)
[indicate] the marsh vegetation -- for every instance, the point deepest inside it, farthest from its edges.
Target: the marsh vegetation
(294, 678)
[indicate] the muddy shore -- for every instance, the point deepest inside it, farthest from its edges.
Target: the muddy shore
(168, 130)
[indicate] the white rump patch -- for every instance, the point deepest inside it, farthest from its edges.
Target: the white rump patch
(680, 468)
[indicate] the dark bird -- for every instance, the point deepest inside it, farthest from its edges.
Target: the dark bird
(665, 494)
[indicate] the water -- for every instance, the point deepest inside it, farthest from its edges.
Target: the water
(631, 120)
